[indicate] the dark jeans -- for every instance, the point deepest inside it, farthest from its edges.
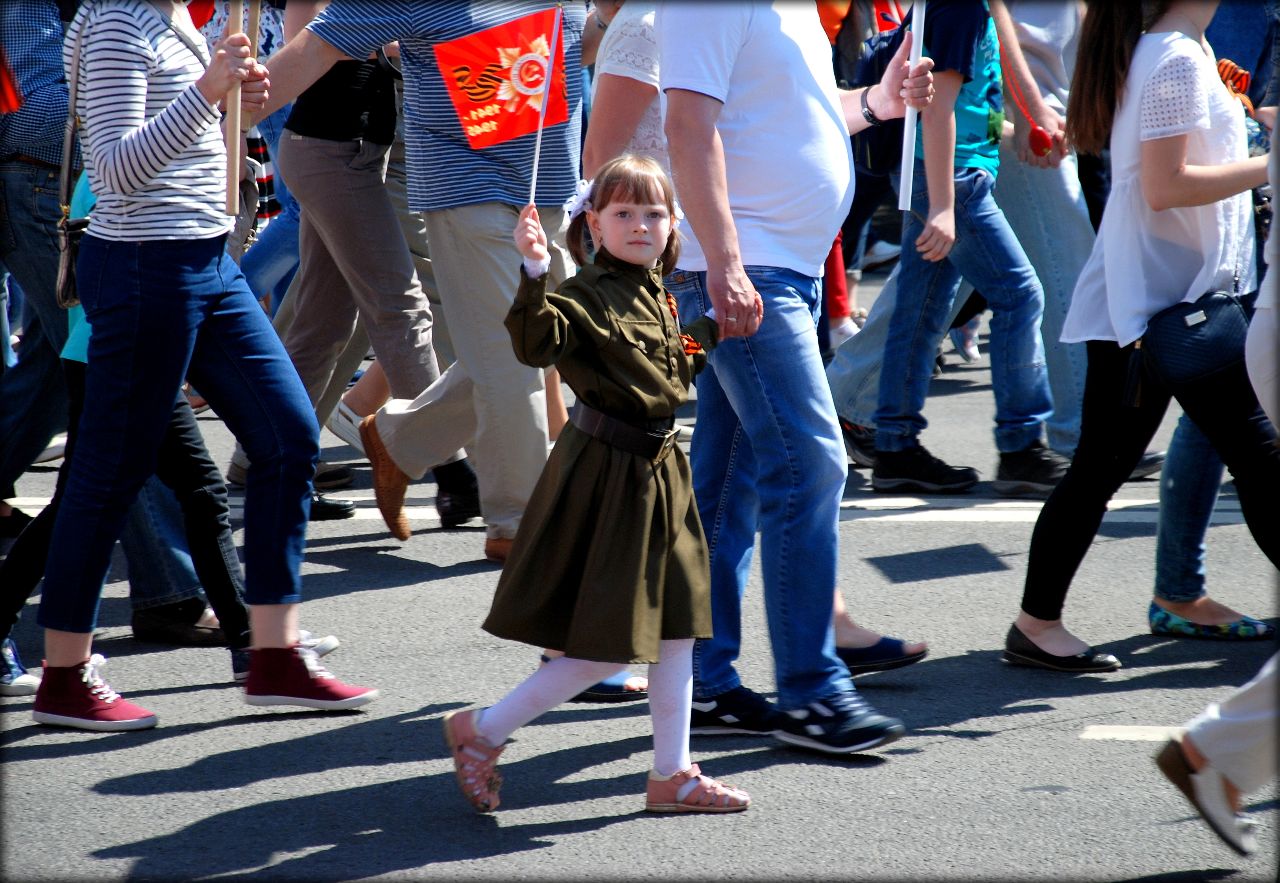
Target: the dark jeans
(162, 310)
(184, 465)
(1113, 437)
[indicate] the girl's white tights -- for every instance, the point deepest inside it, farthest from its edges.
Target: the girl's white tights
(558, 681)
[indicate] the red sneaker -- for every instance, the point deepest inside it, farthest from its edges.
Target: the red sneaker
(77, 696)
(294, 676)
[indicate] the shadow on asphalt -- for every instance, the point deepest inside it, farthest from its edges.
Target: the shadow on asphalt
(387, 827)
(990, 688)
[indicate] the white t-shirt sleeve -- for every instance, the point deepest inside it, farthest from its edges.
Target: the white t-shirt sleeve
(1175, 99)
(699, 44)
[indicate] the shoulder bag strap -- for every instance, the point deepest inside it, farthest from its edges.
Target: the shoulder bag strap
(69, 133)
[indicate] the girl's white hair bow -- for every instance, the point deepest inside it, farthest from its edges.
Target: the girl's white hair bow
(580, 201)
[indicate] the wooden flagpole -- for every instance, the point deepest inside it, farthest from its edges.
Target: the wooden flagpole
(231, 129)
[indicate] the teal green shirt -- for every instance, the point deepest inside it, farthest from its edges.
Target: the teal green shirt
(77, 346)
(965, 39)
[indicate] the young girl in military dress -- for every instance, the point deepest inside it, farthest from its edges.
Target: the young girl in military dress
(610, 562)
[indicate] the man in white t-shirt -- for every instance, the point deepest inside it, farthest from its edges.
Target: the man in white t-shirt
(759, 141)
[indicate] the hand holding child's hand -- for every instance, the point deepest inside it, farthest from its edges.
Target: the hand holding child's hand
(529, 236)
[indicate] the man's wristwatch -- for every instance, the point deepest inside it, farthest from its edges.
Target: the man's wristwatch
(867, 113)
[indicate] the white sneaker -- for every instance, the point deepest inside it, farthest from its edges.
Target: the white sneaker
(840, 330)
(345, 424)
(57, 447)
(881, 252)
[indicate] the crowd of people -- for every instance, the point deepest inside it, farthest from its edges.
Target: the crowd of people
(501, 198)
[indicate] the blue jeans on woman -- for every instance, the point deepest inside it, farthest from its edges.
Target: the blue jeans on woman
(1189, 483)
(271, 263)
(161, 311)
(767, 456)
(987, 254)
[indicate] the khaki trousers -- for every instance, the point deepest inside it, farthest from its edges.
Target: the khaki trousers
(486, 401)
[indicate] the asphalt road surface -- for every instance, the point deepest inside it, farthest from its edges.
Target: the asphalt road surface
(1004, 774)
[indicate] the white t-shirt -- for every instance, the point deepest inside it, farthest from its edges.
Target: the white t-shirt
(788, 162)
(630, 49)
(1144, 261)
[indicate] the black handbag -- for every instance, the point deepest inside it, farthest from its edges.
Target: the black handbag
(70, 230)
(1189, 342)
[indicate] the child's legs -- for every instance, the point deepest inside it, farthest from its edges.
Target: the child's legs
(989, 256)
(670, 698)
(553, 684)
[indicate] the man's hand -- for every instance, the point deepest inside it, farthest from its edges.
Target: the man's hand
(737, 305)
(939, 234)
(902, 85)
(530, 238)
(254, 92)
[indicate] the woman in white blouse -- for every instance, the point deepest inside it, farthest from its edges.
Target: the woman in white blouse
(1178, 224)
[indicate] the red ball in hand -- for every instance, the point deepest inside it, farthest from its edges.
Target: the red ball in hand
(1040, 141)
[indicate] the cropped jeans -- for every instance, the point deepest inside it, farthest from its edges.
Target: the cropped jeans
(987, 254)
(162, 310)
(767, 457)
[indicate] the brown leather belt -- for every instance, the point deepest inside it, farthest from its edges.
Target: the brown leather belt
(653, 441)
(29, 160)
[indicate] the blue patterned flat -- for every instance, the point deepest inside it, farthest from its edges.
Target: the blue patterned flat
(1171, 625)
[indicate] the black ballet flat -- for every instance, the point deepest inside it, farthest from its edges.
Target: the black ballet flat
(1018, 650)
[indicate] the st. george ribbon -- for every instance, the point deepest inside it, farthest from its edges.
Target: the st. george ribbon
(909, 121)
(546, 98)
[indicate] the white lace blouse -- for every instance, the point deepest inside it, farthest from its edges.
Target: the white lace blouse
(1143, 260)
(629, 49)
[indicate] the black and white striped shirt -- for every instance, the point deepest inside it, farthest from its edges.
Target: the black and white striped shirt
(152, 144)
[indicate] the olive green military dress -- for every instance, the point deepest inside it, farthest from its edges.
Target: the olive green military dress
(610, 557)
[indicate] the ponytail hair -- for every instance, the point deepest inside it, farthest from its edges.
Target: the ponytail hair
(631, 178)
(1107, 40)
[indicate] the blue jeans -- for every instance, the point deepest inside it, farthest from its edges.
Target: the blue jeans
(1189, 483)
(8, 358)
(767, 456)
(155, 547)
(1046, 210)
(33, 391)
(270, 264)
(987, 254)
(162, 310)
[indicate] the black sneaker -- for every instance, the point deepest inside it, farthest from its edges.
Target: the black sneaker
(734, 711)
(842, 724)
(916, 470)
(1033, 472)
(1151, 463)
(859, 443)
(331, 508)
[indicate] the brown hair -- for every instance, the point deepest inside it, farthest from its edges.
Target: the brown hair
(1107, 40)
(634, 179)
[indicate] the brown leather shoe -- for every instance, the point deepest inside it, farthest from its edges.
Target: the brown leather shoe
(497, 549)
(389, 481)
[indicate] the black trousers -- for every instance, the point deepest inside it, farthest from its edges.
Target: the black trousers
(1113, 437)
(185, 467)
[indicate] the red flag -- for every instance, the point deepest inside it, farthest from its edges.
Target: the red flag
(200, 11)
(495, 79)
(10, 97)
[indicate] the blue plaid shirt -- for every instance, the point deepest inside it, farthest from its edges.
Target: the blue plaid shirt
(31, 33)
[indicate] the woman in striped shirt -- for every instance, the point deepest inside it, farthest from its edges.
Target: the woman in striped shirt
(166, 302)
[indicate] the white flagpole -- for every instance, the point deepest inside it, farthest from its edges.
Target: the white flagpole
(909, 121)
(546, 99)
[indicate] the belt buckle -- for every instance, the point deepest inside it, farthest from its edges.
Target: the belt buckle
(668, 443)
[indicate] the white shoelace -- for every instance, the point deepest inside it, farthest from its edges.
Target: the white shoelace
(315, 667)
(91, 675)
